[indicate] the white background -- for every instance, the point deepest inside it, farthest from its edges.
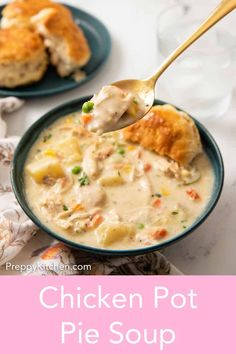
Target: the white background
(132, 25)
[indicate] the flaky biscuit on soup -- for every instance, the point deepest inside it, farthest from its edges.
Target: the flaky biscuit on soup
(68, 47)
(168, 132)
(23, 58)
(19, 12)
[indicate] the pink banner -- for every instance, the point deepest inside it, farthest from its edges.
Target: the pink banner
(69, 315)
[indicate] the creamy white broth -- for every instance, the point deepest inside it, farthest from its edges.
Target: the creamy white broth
(102, 191)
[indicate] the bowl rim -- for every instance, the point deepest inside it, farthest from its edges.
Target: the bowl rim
(39, 125)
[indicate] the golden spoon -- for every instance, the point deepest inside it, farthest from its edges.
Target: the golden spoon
(145, 88)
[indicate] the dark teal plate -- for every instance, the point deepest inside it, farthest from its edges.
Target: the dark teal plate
(32, 134)
(100, 44)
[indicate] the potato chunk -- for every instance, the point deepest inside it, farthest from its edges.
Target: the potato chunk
(46, 167)
(112, 232)
(70, 150)
(111, 180)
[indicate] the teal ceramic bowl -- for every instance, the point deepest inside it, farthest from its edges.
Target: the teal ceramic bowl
(100, 43)
(32, 134)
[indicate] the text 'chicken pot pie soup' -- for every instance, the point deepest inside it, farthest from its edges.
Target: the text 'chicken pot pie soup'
(128, 189)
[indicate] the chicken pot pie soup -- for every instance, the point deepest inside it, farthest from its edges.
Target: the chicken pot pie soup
(119, 190)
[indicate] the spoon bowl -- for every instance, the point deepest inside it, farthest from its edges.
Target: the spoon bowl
(144, 89)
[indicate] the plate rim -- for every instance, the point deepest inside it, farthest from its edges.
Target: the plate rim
(39, 125)
(4, 92)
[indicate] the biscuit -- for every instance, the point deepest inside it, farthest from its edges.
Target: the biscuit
(68, 47)
(23, 58)
(168, 132)
(19, 12)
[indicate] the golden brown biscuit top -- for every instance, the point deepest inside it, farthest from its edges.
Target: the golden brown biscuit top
(168, 132)
(63, 28)
(18, 44)
(24, 9)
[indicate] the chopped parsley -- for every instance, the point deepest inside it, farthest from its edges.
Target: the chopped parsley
(76, 170)
(135, 101)
(83, 177)
(121, 151)
(174, 212)
(84, 180)
(47, 137)
(65, 208)
(158, 195)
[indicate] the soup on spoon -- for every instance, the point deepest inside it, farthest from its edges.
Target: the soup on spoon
(104, 111)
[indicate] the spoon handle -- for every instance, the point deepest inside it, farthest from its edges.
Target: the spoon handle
(225, 7)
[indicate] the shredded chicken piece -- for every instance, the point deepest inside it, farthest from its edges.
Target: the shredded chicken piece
(80, 226)
(62, 185)
(77, 221)
(64, 224)
(51, 205)
(104, 153)
(80, 131)
(90, 163)
(185, 175)
(84, 215)
(49, 181)
(91, 196)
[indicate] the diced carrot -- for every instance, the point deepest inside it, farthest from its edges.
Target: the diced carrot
(78, 207)
(86, 118)
(156, 203)
(147, 167)
(96, 221)
(193, 194)
(159, 234)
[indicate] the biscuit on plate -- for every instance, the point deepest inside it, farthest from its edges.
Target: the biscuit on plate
(23, 58)
(68, 47)
(19, 12)
(168, 132)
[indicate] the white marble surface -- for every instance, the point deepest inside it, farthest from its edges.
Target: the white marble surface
(132, 24)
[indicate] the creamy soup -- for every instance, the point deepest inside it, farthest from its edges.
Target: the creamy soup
(105, 192)
(108, 109)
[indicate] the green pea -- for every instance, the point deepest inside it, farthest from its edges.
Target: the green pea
(87, 107)
(140, 226)
(76, 170)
